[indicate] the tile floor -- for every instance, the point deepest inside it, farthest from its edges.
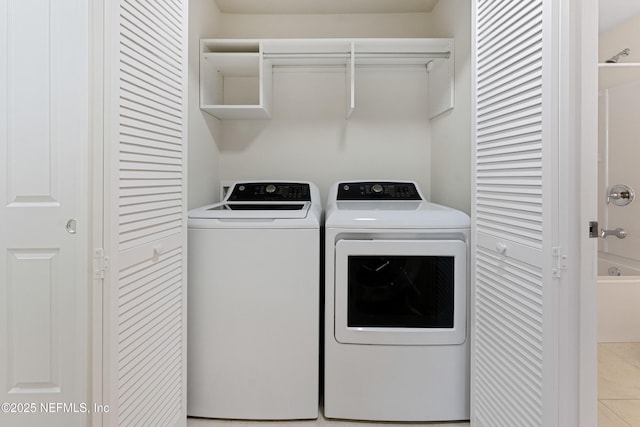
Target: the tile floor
(619, 385)
(321, 422)
(618, 396)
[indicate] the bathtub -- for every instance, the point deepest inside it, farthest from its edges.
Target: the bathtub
(618, 299)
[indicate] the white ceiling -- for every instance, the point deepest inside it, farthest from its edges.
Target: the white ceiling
(298, 7)
(615, 12)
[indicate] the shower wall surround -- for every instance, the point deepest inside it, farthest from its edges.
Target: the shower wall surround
(619, 162)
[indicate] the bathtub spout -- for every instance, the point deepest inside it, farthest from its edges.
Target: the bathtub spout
(620, 233)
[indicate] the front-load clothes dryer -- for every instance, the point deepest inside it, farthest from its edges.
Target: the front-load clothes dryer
(253, 303)
(396, 304)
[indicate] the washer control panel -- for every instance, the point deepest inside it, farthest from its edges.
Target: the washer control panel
(378, 191)
(270, 191)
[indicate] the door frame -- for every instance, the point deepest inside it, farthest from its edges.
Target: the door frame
(577, 295)
(97, 99)
(585, 34)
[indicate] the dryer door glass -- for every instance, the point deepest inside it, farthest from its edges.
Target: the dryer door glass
(403, 292)
(400, 291)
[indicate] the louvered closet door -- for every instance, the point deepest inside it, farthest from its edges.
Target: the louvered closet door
(145, 364)
(515, 215)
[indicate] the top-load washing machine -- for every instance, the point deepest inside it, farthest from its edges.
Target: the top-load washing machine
(396, 304)
(253, 304)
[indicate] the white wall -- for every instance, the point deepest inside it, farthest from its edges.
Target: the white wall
(451, 132)
(309, 138)
(326, 26)
(203, 153)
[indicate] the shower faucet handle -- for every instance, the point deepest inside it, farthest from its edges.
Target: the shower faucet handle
(620, 195)
(620, 233)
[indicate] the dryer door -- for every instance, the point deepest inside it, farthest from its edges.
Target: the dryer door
(401, 292)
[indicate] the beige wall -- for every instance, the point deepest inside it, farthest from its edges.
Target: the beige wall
(624, 35)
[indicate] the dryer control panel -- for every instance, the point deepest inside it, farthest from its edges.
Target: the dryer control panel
(378, 191)
(270, 192)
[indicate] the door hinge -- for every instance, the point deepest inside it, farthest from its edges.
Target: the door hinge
(100, 262)
(560, 261)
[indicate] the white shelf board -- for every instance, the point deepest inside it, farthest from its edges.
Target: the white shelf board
(229, 45)
(253, 112)
(236, 57)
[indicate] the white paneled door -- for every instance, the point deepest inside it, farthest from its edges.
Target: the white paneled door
(526, 299)
(44, 275)
(145, 213)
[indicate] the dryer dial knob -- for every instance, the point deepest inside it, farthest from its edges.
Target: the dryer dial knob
(377, 188)
(270, 188)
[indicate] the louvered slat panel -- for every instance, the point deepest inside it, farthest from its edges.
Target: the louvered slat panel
(129, 90)
(499, 23)
(508, 353)
(159, 230)
(494, 65)
(126, 155)
(147, 197)
(499, 76)
(149, 65)
(161, 14)
(146, 112)
(136, 31)
(509, 344)
(510, 108)
(150, 214)
(167, 203)
(142, 136)
(145, 148)
(131, 195)
(141, 19)
(164, 130)
(150, 340)
(137, 141)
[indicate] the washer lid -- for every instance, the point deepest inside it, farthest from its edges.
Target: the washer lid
(423, 215)
(387, 204)
(252, 210)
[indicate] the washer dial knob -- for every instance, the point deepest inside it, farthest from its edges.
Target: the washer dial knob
(377, 188)
(270, 188)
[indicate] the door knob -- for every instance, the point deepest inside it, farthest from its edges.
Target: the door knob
(71, 226)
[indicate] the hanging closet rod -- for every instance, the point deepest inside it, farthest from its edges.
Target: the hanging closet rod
(368, 55)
